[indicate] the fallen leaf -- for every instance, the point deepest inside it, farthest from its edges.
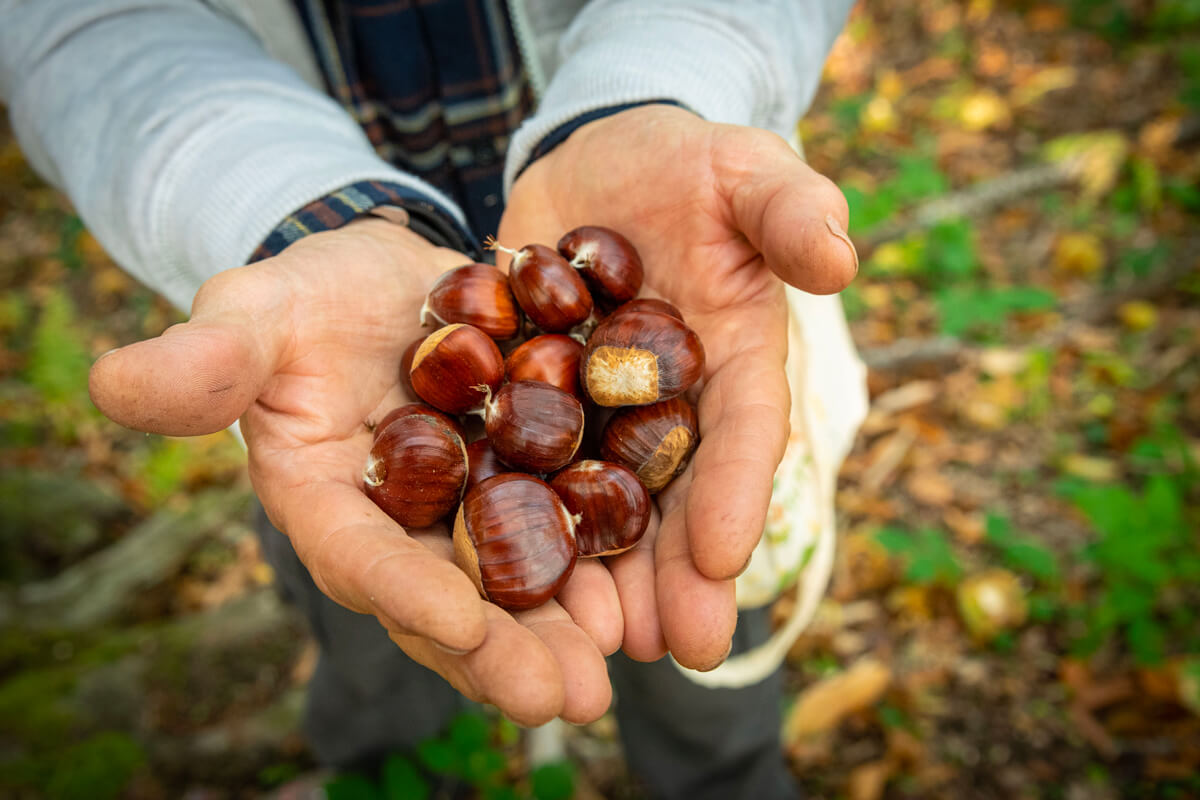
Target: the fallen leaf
(878, 116)
(1091, 468)
(1042, 82)
(1096, 159)
(822, 706)
(997, 361)
(929, 488)
(885, 457)
(907, 396)
(1137, 315)
(984, 109)
(867, 781)
(1078, 254)
(890, 85)
(967, 527)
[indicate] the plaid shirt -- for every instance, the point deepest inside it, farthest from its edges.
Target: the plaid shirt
(438, 86)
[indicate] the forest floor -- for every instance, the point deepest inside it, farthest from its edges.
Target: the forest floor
(1015, 608)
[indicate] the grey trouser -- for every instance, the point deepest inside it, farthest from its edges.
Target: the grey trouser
(684, 741)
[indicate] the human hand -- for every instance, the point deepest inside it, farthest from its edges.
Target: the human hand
(719, 213)
(304, 349)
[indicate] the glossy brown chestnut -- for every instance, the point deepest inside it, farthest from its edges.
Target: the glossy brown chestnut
(547, 288)
(649, 304)
(420, 408)
(482, 462)
(515, 539)
(533, 426)
(610, 264)
(551, 358)
(455, 367)
(416, 470)
(612, 505)
(654, 441)
(406, 360)
(640, 357)
(475, 294)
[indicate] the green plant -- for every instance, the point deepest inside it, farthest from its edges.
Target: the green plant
(927, 554)
(471, 752)
(1146, 551)
(1021, 553)
(978, 311)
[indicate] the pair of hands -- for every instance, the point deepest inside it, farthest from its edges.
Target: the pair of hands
(303, 348)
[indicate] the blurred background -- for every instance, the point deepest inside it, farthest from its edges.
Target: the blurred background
(1014, 613)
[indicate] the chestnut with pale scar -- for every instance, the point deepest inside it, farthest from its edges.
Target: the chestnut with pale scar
(640, 357)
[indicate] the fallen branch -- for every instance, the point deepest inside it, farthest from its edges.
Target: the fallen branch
(97, 589)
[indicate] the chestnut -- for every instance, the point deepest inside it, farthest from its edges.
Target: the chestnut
(654, 441)
(455, 367)
(649, 304)
(482, 462)
(475, 294)
(612, 505)
(406, 359)
(515, 539)
(548, 290)
(416, 470)
(533, 426)
(550, 358)
(610, 264)
(420, 408)
(640, 357)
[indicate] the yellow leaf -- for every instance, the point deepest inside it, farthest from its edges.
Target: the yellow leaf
(890, 257)
(1138, 315)
(1090, 468)
(1101, 406)
(1078, 254)
(878, 115)
(979, 10)
(983, 109)
(822, 706)
(890, 85)
(1096, 159)
(1042, 82)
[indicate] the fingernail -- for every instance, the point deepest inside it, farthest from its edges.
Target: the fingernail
(452, 651)
(106, 354)
(840, 233)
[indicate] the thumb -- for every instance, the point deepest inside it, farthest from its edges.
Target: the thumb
(197, 377)
(794, 216)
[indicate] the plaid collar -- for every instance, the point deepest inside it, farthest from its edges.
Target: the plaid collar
(437, 85)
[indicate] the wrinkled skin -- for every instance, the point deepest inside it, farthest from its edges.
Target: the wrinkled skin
(303, 349)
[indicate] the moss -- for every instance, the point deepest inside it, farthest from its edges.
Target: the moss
(97, 768)
(33, 708)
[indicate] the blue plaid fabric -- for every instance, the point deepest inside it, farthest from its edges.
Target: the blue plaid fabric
(439, 87)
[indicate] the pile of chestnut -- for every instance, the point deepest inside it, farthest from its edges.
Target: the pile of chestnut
(604, 374)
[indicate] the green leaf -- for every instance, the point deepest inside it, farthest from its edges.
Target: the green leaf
(1021, 553)
(483, 766)
(928, 553)
(59, 359)
(351, 787)
(439, 756)
(469, 732)
(950, 251)
(554, 781)
(969, 309)
(401, 780)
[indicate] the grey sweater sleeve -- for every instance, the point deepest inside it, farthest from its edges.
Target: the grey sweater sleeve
(181, 142)
(748, 62)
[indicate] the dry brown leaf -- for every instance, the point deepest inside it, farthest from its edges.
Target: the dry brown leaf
(1042, 82)
(930, 488)
(867, 781)
(968, 527)
(885, 457)
(822, 706)
(1078, 254)
(907, 396)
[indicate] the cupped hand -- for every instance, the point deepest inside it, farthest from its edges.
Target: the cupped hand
(304, 348)
(719, 214)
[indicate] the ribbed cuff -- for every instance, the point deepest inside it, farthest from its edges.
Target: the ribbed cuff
(559, 134)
